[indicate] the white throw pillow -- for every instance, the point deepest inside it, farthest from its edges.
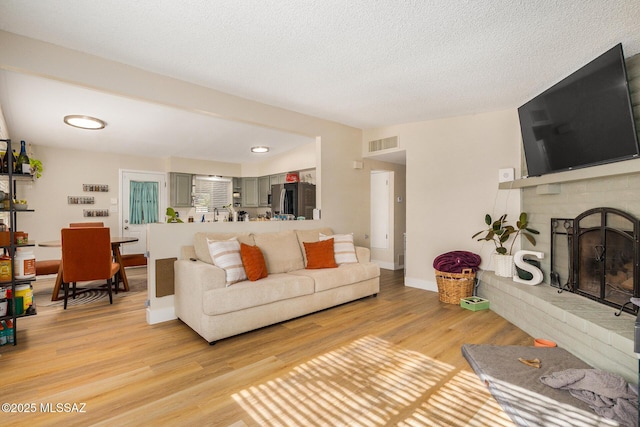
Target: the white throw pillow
(343, 248)
(226, 255)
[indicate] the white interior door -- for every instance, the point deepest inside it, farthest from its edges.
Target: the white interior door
(139, 230)
(380, 209)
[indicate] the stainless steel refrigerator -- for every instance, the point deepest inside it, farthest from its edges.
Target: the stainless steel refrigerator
(294, 198)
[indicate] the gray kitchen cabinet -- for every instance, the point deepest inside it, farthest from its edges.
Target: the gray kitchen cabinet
(181, 190)
(250, 192)
(237, 192)
(277, 179)
(264, 189)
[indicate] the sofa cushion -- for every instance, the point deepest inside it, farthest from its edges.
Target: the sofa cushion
(226, 255)
(320, 254)
(344, 250)
(202, 248)
(346, 274)
(248, 294)
(281, 251)
(310, 236)
(253, 262)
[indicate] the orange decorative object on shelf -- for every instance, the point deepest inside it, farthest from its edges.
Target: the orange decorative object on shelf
(541, 342)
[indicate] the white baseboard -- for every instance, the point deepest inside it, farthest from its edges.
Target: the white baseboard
(427, 285)
(386, 265)
(160, 315)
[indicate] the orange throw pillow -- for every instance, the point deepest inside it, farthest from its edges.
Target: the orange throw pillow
(320, 254)
(253, 262)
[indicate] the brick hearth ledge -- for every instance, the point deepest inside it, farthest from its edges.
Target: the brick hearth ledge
(587, 329)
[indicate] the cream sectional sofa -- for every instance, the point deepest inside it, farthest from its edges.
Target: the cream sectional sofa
(214, 310)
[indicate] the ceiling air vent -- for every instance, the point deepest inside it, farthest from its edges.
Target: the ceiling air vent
(383, 144)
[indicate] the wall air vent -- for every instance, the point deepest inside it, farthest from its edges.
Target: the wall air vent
(383, 144)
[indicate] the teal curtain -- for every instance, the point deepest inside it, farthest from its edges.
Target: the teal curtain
(143, 202)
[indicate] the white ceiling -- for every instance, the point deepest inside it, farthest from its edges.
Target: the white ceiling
(34, 108)
(364, 63)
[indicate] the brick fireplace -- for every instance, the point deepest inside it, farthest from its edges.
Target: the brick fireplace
(585, 327)
(588, 329)
(598, 252)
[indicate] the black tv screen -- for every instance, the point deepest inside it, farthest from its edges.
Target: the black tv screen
(584, 120)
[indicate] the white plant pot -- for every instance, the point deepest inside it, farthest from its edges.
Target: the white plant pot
(503, 265)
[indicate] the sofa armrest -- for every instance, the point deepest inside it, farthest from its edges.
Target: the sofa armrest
(197, 276)
(192, 280)
(363, 254)
(187, 252)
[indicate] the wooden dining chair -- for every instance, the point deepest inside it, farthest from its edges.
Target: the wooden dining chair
(86, 224)
(51, 266)
(86, 256)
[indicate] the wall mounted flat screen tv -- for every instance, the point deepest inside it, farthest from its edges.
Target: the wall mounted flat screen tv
(584, 120)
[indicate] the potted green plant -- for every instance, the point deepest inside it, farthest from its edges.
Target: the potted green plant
(499, 232)
(36, 167)
(172, 215)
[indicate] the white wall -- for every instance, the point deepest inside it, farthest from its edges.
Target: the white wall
(202, 167)
(303, 157)
(452, 182)
(300, 158)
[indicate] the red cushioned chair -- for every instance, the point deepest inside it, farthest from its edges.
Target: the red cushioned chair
(86, 256)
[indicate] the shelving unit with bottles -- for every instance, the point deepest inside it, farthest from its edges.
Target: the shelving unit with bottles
(11, 249)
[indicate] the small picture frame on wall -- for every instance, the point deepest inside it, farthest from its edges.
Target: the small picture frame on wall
(103, 188)
(80, 200)
(91, 213)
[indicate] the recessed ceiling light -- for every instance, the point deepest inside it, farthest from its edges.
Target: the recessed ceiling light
(260, 149)
(84, 122)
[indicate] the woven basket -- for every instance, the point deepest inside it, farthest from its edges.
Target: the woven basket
(453, 286)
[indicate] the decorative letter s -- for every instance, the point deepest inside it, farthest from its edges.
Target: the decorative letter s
(535, 271)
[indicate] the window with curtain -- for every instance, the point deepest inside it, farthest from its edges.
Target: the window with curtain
(212, 192)
(143, 202)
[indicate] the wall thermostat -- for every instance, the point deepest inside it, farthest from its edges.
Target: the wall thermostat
(506, 175)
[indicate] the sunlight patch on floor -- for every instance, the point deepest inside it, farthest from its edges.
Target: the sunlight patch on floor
(462, 401)
(369, 382)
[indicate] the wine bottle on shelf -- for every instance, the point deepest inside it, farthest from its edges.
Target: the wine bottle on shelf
(13, 161)
(22, 162)
(6, 162)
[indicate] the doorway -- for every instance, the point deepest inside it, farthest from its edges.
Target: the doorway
(137, 228)
(387, 218)
(380, 212)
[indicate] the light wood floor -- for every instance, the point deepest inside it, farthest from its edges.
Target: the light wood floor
(118, 370)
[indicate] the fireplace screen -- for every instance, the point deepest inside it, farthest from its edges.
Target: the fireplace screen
(603, 248)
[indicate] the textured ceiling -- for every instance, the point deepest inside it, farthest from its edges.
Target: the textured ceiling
(361, 63)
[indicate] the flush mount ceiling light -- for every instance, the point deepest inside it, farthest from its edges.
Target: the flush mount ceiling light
(84, 122)
(260, 149)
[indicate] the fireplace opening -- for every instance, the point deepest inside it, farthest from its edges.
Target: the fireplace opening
(602, 256)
